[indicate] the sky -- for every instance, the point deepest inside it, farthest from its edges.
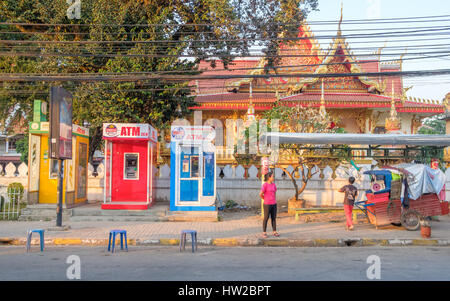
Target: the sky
(435, 87)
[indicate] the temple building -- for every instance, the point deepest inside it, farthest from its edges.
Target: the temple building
(362, 104)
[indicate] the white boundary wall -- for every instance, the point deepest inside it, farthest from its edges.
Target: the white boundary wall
(231, 185)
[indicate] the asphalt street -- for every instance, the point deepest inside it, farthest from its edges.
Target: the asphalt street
(226, 264)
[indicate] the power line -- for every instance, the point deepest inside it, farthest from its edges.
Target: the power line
(19, 45)
(181, 78)
(205, 55)
(247, 31)
(317, 37)
(248, 69)
(394, 20)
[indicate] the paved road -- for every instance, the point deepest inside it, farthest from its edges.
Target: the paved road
(241, 228)
(226, 264)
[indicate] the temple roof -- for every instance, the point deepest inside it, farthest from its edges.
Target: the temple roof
(363, 100)
(340, 60)
(304, 56)
(265, 101)
(300, 56)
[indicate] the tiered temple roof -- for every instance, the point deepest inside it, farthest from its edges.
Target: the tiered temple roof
(304, 56)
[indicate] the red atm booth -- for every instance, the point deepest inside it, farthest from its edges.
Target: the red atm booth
(130, 166)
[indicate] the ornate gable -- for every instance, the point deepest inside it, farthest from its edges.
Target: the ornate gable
(301, 56)
(339, 60)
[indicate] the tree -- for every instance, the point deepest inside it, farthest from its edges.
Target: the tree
(132, 36)
(22, 148)
(433, 126)
(301, 119)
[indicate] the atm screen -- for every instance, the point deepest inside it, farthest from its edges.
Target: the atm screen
(131, 171)
(194, 167)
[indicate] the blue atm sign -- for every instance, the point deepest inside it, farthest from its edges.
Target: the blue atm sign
(192, 133)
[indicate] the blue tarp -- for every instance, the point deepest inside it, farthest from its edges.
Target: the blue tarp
(423, 179)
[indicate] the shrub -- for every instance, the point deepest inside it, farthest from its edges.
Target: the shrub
(15, 192)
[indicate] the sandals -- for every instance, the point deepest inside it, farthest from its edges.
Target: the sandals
(274, 234)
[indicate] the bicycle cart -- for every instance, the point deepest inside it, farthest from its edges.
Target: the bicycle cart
(423, 195)
(383, 204)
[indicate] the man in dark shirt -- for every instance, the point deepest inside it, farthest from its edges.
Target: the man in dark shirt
(349, 200)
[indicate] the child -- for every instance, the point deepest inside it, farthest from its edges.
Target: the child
(268, 192)
(349, 199)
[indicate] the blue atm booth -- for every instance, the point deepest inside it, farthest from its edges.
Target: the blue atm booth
(192, 169)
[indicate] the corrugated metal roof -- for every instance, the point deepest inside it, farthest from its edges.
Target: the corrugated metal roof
(357, 139)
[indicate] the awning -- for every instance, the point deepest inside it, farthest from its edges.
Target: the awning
(356, 139)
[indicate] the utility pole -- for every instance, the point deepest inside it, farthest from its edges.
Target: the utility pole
(59, 193)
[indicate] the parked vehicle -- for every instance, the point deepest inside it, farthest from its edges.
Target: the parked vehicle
(404, 195)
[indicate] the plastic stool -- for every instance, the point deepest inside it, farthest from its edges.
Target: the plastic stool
(112, 234)
(41, 235)
(193, 238)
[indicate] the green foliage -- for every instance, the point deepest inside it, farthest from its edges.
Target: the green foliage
(226, 28)
(22, 148)
(15, 192)
(230, 204)
(302, 120)
(433, 126)
(306, 120)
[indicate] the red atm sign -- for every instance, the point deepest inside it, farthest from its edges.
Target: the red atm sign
(129, 130)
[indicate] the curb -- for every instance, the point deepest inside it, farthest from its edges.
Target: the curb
(237, 242)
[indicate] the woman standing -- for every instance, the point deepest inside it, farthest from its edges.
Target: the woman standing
(268, 192)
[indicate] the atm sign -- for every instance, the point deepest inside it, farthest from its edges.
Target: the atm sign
(126, 130)
(131, 131)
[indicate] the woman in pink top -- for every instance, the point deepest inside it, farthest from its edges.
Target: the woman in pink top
(268, 192)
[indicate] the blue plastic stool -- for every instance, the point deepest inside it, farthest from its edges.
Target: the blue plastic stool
(41, 235)
(193, 238)
(112, 234)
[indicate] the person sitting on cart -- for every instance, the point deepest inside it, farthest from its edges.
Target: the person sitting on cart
(349, 200)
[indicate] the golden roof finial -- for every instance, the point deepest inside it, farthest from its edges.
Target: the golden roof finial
(393, 123)
(340, 21)
(322, 110)
(401, 58)
(378, 52)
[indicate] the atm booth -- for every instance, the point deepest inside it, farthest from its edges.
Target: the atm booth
(130, 166)
(43, 171)
(192, 168)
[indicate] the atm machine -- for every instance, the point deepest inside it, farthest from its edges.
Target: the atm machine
(192, 168)
(130, 160)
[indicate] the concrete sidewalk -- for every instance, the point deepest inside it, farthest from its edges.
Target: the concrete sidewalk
(234, 232)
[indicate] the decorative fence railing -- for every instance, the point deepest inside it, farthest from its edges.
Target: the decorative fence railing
(11, 202)
(239, 183)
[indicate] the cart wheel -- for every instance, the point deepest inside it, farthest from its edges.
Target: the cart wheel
(411, 220)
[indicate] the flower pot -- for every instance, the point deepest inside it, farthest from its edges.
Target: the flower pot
(425, 231)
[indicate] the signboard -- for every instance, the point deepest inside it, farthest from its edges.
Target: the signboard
(265, 165)
(34, 162)
(60, 123)
(80, 131)
(39, 127)
(192, 133)
(129, 130)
